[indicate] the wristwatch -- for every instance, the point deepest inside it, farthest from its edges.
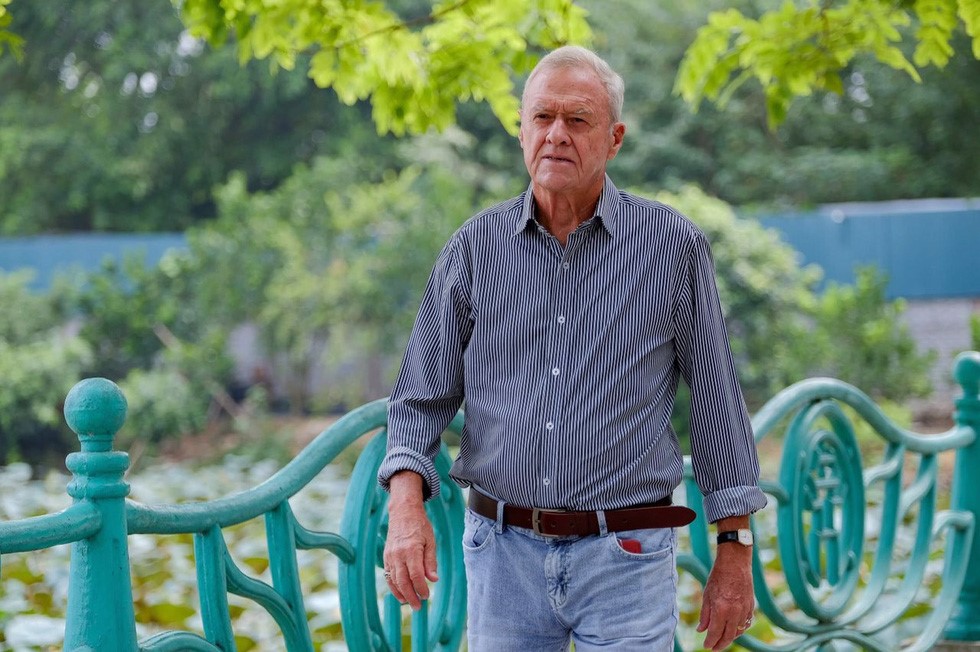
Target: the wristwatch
(741, 536)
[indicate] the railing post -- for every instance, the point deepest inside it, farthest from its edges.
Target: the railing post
(100, 593)
(965, 622)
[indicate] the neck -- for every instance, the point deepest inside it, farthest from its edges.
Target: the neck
(561, 213)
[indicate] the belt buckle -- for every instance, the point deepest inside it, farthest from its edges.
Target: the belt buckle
(536, 521)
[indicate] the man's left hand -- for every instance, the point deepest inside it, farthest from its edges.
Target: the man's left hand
(728, 599)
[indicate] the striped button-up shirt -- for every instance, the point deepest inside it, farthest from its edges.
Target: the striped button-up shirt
(568, 359)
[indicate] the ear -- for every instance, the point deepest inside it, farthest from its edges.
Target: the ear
(618, 133)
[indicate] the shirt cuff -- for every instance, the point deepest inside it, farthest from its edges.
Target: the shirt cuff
(733, 501)
(405, 459)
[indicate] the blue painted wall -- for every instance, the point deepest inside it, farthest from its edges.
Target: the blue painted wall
(49, 255)
(928, 250)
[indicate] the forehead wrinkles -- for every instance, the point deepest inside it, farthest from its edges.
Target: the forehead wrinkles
(566, 89)
(563, 108)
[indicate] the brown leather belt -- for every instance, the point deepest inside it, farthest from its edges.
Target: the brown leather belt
(556, 523)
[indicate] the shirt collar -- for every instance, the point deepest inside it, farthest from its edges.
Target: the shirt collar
(606, 212)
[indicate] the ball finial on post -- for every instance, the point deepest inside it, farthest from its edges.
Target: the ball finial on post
(966, 371)
(95, 410)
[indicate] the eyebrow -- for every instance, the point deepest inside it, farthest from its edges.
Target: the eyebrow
(535, 108)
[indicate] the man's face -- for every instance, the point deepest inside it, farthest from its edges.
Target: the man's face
(566, 131)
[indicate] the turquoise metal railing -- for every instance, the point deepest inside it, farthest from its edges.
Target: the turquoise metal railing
(835, 587)
(100, 615)
(835, 581)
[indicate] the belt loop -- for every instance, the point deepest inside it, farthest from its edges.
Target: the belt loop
(601, 517)
(499, 528)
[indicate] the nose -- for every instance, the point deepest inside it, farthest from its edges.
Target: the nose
(557, 132)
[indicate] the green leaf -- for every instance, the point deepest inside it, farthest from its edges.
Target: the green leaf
(969, 13)
(937, 20)
(413, 71)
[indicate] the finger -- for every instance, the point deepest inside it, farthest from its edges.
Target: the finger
(727, 636)
(721, 632)
(393, 587)
(431, 564)
(399, 581)
(705, 617)
(745, 624)
(404, 590)
(417, 581)
(713, 634)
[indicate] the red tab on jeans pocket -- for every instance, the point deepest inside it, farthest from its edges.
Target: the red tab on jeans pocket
(630, 545)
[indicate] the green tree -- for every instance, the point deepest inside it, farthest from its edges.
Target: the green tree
(413, 67)
(781, 332)
(799, 48)
(117, 119)
(328, 261)
(149, 331)
(859, 336)
(40, 360)
(8, 39)
(767, 297)
(886, 137)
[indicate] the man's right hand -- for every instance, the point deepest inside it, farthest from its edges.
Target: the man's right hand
(410, 551)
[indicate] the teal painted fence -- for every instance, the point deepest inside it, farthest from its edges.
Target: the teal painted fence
(923, 247)
(838, 580)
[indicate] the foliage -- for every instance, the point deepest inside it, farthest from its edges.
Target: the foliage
(331, 260)
(117, 119)
(149, 331)
(162, 404)
(860, 337)
(8, 39)
(794, 50)
(781, 332)
(414, 69)
(78, 151)
(130, 313)
(40, 360)
(766, 295)
(887, 137)
(975, 332)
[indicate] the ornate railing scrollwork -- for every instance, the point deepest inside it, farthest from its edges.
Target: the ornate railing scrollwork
(844, 581)
(822, 525)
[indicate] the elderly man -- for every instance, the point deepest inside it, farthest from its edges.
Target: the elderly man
(564, 318)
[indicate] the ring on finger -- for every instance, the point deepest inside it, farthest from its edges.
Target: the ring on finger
(387, 574)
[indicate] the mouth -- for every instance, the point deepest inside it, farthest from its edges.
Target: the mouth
(557, 159)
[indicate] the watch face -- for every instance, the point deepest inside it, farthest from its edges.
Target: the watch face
(745, 537)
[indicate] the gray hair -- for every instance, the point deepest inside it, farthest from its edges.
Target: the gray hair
(574, 56)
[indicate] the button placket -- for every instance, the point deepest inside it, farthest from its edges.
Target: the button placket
(558, 350)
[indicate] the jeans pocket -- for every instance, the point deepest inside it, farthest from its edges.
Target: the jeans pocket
(478, 531)
(649, 544)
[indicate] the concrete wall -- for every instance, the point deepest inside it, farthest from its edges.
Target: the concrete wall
(942, 326)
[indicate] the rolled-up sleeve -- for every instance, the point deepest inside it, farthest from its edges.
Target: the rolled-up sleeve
(723, 451)
(429, 388)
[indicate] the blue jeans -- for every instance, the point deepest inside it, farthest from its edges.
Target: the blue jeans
(528, 592)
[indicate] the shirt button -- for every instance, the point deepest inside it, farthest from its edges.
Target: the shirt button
(566, 265)
(555, 371)
(561, 319)
(546, 482)
(549, 426)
